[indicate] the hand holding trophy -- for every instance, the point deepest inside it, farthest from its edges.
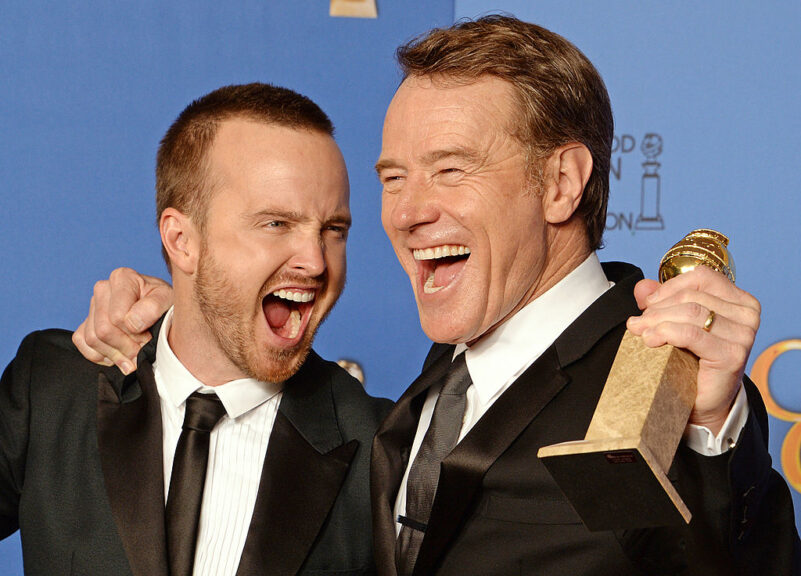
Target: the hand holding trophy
(616, 477)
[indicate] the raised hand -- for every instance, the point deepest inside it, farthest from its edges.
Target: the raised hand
(120, 313)
(705, 313)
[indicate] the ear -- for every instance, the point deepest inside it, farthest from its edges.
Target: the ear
(181, 240)
(567, 171)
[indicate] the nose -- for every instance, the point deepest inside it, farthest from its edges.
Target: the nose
(413, 205)
(308, 255)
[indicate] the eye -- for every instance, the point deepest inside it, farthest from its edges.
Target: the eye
(450, 175)
(275, 224)
(339, 231)
(391, 181)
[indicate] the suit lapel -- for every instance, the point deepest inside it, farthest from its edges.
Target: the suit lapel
(464, 469)
(304, 468)
(130, 443)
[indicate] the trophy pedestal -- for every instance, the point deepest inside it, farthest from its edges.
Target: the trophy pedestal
(616, 477)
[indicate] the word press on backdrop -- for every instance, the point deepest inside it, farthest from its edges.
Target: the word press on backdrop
(706, 117)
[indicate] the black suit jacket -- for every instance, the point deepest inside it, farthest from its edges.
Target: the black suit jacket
(81, 468)
(498, 511)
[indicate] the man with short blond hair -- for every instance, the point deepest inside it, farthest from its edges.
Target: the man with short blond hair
(233, 448)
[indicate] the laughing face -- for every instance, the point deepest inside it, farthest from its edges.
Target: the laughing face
(461, 212)
(272, 257)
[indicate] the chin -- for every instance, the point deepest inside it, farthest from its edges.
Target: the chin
(442, 334)
(279, 365)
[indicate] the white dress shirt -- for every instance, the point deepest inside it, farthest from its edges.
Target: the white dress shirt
(236, 454)
(497, 360)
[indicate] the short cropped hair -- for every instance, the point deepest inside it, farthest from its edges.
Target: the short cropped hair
(182, 159)
(560, 96)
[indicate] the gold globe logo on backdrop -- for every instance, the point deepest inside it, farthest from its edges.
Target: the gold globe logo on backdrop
(353, 9)
(791, 447)
(640, 188)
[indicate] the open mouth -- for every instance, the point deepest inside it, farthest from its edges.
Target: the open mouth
(287, 311)
(439, 266)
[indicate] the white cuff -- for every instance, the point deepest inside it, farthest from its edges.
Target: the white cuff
(701, 440)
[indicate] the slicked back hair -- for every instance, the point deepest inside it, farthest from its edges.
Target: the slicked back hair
(559, 94)
(182, 180)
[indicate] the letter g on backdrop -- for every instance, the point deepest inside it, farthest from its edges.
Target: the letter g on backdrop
(791, 447)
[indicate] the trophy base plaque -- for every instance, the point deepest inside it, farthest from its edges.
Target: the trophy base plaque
(614, 484)
(616, 477)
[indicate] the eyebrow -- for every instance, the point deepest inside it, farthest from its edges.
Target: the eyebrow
(295, 216)
(429, 158)
(386, 164)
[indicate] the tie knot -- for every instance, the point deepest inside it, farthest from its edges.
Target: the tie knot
(458, 379)
(203, 411)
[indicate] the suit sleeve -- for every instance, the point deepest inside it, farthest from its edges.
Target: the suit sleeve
(743, 522)
(763, 537)
(14, 426)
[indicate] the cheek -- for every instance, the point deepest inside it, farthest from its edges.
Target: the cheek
(338, 264)
(386, 210)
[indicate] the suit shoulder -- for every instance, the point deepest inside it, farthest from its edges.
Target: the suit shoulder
(49, 355)
(351, 400)
(52, 340)
(349, 391)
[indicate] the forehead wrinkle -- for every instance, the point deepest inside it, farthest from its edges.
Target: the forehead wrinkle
(460, 152)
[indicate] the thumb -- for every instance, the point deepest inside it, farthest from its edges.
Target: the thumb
(643, 289)
(155, 300)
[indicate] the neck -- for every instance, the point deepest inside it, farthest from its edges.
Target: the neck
(567, 248)
(196, 347)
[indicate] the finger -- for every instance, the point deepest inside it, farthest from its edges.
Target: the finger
(702, 279)
(643, 289)
(114, 344)
(697, 304)
(123, 353)
(155, 302)
(125, 289)
(727, 353)
(92, 348)
(696, 321)
(88, 352)
(105, 338)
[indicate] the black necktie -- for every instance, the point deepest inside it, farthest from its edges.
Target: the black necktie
(439, 441)
(203, 411)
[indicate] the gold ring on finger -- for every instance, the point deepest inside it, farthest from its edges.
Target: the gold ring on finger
(709, 321)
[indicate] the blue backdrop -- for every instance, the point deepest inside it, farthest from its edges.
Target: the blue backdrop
(89, 88)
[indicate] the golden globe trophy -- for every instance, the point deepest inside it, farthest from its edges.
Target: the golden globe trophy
(617, 476)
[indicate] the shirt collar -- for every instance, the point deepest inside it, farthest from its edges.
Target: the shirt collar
(514, 345)
(176, 383)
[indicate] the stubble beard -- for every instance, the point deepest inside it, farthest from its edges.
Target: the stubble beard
(228, 315)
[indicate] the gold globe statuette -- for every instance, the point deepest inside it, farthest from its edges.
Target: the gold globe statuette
(702, 247)
(617, 476)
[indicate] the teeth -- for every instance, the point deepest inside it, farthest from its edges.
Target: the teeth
(294, 327)
(440, 252)
(294, 295)
(429, 287)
